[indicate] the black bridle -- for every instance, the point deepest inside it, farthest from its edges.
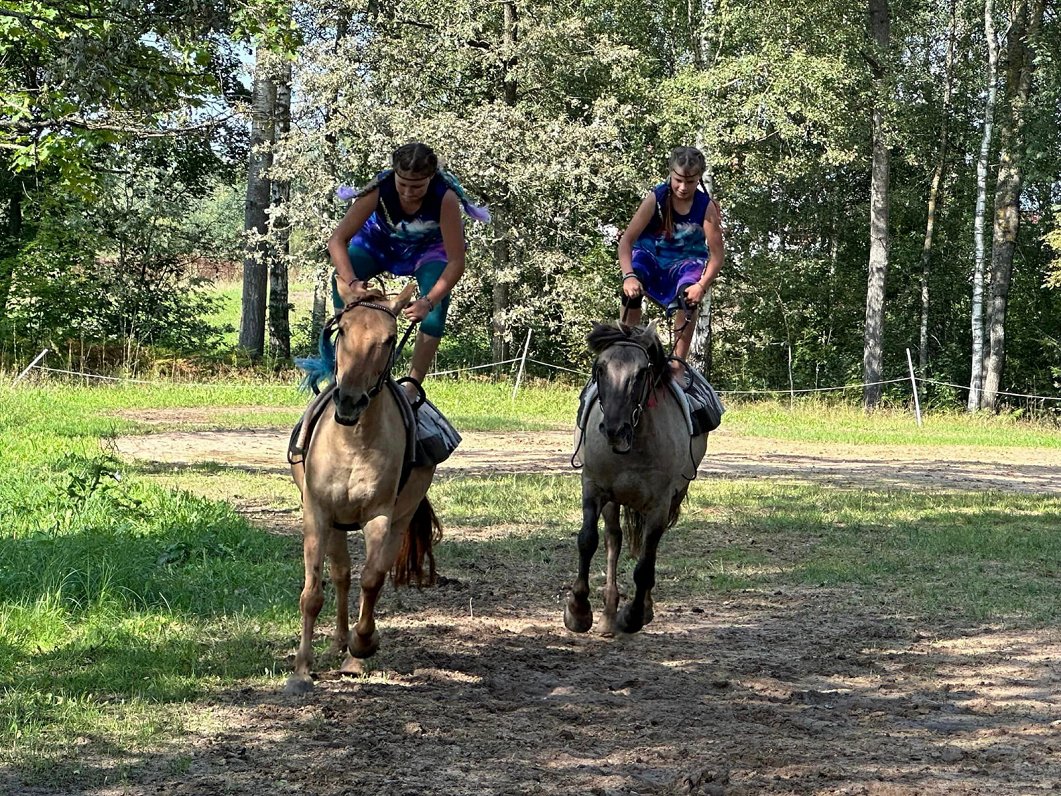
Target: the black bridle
(396, 347)
(646, 391)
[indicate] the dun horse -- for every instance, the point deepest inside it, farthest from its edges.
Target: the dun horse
(638, 454)
(351, 477)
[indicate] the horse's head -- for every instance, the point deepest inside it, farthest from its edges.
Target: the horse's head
(366, 333)
(630, 363)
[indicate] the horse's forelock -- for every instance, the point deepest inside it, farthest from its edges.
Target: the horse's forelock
(603, 335)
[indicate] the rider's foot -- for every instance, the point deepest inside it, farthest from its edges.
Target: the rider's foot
(680, 373)
(412, 391)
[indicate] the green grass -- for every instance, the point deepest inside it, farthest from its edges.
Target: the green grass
(977, 555)
(124, 596)
(811, 420)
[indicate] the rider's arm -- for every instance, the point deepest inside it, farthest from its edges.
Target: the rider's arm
(713, 236)
(350, 225)
(637, 225)
(453, 242)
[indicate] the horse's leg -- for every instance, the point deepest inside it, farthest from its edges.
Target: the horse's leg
(314, 529)
(638, 612)
(339, 561)
(613, 542)
(381, 548)
(578, 615)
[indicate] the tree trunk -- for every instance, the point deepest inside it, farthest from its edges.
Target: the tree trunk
(933, 192)
(502, 242)
(872, 357)
(700, 347)
(1023, 28)
(11, 246)
(255, 218)
(322, 292)
(279, 261)
(976, 373)
(499, 294)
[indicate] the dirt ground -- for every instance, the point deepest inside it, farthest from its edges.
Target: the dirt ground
(481, 691)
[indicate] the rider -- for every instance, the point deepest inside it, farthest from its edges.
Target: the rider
(673, 245)
(407, 221)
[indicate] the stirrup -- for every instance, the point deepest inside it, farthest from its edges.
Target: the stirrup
(421, 396)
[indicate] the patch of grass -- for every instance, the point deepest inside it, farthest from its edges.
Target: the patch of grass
(812, 420)
(980, 555)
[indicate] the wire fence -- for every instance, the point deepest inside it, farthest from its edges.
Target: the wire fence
(36, 365)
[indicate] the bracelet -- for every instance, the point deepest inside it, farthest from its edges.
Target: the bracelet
(430, 303)
(631, 276)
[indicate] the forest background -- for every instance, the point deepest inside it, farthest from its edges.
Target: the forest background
(889, 174)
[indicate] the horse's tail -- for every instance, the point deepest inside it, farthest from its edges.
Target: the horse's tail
(424, 531)
(633, 523)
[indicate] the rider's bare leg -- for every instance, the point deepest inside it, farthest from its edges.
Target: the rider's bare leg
(684, 341)
(424, 350)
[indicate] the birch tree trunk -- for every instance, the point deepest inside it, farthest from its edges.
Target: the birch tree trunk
(1023, 28)
(976, 373)
(322, 299)
(933, 192)
(872, 356)
(255, 218)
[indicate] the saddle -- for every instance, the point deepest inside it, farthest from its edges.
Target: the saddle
(700, 403)
(429, 437)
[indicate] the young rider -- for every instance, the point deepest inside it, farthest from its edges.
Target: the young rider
(673, 245)
(407, 221)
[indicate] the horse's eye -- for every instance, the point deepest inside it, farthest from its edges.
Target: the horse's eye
(390, 340)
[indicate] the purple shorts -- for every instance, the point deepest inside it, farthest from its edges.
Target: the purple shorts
(665, 281)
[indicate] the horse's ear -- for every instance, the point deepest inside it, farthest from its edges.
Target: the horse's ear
(651, 328)
(350, 294)
(402, 300)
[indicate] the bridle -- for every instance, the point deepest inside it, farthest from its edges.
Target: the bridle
(646, 392)
(396, 347)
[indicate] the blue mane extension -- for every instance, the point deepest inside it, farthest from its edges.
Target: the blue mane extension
(319, 368)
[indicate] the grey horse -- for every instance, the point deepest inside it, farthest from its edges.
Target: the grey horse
(638, 454)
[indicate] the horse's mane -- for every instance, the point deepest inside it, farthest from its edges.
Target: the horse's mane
(322, 367)
(604, 335)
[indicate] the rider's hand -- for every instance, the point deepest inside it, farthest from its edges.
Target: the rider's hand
(418, 310)
(632, 288)
(694, 294)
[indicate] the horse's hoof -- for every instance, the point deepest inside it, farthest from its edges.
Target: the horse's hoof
(364, 648)
(298, 685)
(353, 666)
(628, 623)
(578, 622)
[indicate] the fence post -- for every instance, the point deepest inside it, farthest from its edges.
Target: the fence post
(913, 384)
(29, 367)
(522, 364)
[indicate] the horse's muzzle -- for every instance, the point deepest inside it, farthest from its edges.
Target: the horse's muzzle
(621, 439)
(348, 409)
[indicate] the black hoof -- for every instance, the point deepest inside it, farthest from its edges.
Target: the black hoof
(298, 685)
(578, 622)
